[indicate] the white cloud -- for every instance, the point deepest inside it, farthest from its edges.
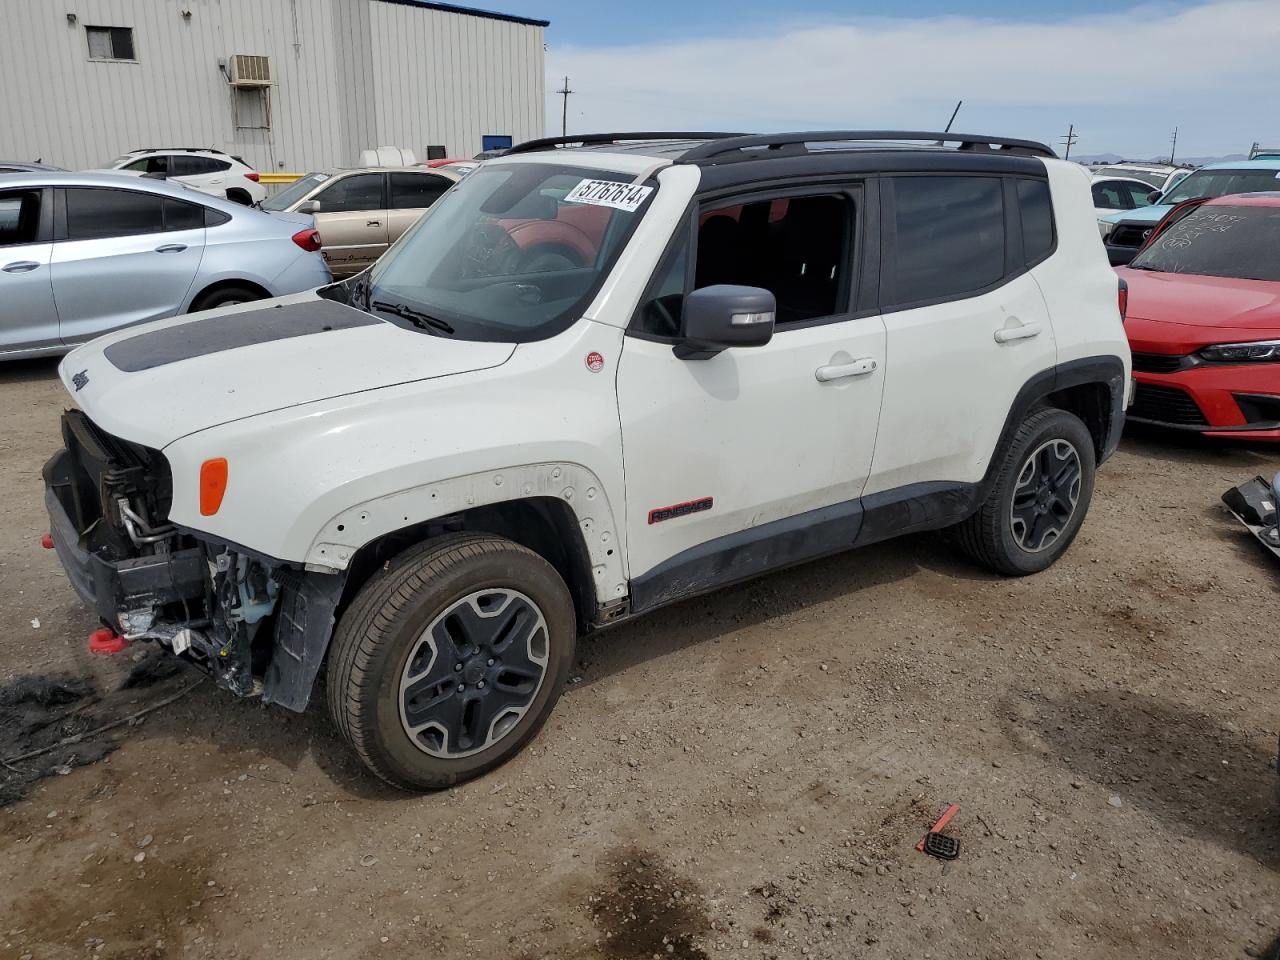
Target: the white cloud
(1124, 79)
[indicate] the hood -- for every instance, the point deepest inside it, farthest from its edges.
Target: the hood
(1225, 309)
(1152, 214)
(158, 382)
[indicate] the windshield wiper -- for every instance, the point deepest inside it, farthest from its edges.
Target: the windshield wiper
(419, 319)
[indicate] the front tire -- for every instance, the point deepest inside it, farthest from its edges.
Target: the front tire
(1039, 499)
(450, 659)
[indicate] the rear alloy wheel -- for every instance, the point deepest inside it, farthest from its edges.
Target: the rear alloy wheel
(1038, 499)
(224, 297)
(450, 659)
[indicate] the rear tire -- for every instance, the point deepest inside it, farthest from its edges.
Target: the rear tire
(224, 297)
(450, 659)
(1039, 499)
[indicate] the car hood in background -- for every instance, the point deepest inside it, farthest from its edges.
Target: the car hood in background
(158, 382)
(1153, 214)
(1224, 309)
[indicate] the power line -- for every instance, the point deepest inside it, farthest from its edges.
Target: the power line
(1069, 141)
(564, 110)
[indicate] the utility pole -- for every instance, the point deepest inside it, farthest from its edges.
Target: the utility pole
(1173, 146)
(959, 103)
(564, 112)
(1069, 141)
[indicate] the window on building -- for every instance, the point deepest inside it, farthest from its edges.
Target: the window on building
(96, 213)
(110, 43)
(798, 248)
(950, 237)
(362, 191)
(1036, 210)
(410, 191)
(19, 217)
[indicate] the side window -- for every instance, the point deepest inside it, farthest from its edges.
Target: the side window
(363, 191)
(1108, 196)
(410, 191)
(180, 215)
(1138, 194)
(949, 238)
(139, 165)
(96, 213)
(19, 217)
(1035, 208)
(798, 248)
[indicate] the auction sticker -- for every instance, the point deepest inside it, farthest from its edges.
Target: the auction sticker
(609, 193)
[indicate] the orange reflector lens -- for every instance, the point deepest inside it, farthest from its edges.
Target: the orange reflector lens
(213, 484)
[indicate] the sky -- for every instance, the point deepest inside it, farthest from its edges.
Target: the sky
(1125, 74)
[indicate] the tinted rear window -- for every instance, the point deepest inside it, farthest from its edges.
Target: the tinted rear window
(1036, 210)
(949, 237)
(93, 213)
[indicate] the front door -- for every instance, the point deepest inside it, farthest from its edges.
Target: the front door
(123, 257)
(28, 320)
(410, 197)
(352, 221)
(756, 457)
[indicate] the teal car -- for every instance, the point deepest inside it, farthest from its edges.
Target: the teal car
(1125, 231)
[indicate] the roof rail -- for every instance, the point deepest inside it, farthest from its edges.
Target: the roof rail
(796, 144)
(186, 149)
(589, 139)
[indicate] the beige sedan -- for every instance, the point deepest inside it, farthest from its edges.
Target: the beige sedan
(361, 212)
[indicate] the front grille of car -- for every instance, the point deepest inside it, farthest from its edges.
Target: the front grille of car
(1166, 405)
(1128, 235)
(1158, 362)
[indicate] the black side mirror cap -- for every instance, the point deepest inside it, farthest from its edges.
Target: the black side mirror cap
(1154, 196)
(725, 315)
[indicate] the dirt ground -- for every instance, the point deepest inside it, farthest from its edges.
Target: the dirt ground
(739, 776)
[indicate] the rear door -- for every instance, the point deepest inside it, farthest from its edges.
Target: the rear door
(352, 221)
(967, 325)
(28, 320)
(206, 174)
(121, 257)
(411, 194)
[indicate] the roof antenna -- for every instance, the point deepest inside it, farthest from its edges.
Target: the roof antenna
(959, 103)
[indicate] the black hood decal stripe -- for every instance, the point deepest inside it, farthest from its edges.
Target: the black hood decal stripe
(216, 334)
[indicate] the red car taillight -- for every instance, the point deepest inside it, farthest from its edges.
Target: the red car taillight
(308, 239)
(251, 176)
(1123, 297)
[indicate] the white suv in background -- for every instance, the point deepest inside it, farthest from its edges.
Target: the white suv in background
(201, 168)
(592, 381)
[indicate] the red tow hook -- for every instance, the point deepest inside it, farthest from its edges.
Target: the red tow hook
(104, 642)
(47, 541)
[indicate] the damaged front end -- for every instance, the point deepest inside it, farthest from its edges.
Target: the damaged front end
(258, 625)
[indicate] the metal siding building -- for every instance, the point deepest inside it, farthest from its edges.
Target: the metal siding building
(346, 75)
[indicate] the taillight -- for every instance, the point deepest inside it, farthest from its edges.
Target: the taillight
(213, 484)
(308, 239)
(1123, 297)
(251, 176)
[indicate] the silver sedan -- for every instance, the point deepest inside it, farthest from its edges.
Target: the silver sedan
(83, 253)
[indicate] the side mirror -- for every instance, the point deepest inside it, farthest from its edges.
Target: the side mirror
(309, 206)
(1154, 195)
(723, 316)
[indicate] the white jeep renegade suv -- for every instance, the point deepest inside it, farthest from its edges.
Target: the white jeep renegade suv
(593, 380)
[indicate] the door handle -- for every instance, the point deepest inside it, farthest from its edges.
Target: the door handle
(171, 248)
(20, 266)
(374, 223)
(1023, 331)
(838, 371)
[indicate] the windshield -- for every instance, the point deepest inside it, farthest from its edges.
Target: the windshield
(1220, 183)
(1216, 240)
(294, 192)
(512, 253)
(1146, 176)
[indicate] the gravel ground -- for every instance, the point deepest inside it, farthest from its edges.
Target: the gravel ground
(744, 775)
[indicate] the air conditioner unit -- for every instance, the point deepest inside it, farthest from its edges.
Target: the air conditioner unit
(249, 70)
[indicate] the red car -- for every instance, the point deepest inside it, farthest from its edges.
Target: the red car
(1204, 319)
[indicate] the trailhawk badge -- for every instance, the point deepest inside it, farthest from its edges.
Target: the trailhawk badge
(80, 379)
(595, 362)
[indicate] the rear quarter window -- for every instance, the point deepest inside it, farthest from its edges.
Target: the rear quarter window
(1035, 211)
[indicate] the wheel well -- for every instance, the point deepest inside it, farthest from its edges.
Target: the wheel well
(1091, 402)
(213, 288)
(545, 525)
